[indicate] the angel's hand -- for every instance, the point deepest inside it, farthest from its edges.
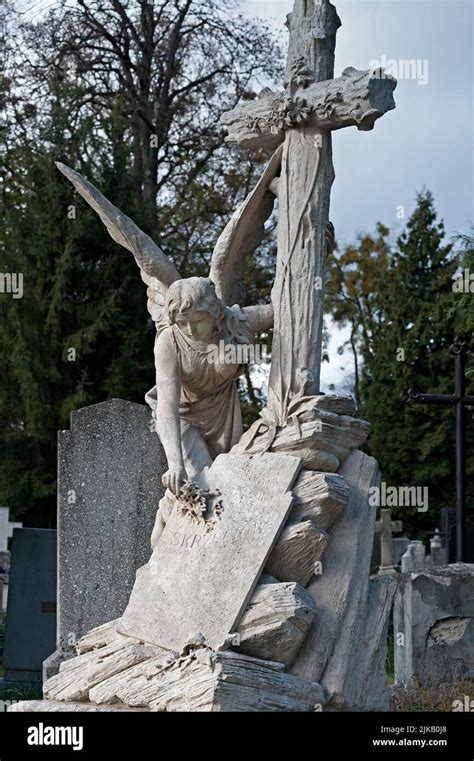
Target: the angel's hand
(330, 237)
(174, 478)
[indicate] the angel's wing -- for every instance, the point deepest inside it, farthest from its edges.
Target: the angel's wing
(242, 234)
(155, 268)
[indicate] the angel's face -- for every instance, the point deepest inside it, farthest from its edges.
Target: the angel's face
(197, 325)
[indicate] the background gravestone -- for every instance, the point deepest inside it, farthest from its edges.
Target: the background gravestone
(6, 533)
(109, 485)
(434, 611)
(31, 611)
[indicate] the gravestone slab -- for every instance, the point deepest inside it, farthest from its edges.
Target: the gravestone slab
(30, 630)
(201, 574)
(109, 485)
(433, 623)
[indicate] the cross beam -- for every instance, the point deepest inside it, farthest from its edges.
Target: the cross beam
(385, 525)
(356, 98)
(460, 401)
(302, 118)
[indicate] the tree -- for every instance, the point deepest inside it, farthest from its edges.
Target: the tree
(409, 347)
(169, 68)
(462, 308)
(353, 295)
(83, 299)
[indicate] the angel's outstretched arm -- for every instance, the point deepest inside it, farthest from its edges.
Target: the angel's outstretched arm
(259, 317)
(168, 390)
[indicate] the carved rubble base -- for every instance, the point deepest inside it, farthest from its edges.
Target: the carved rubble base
(321, 430)
(114, 672)
(284, 626)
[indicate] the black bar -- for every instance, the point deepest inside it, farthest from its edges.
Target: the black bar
(436, 398)
(468, 400)
(460, 360)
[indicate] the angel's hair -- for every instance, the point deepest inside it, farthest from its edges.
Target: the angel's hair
(194, 293)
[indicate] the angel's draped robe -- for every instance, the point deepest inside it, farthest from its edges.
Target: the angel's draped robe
(209, 410)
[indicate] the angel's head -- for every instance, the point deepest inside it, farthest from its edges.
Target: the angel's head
(194, 307)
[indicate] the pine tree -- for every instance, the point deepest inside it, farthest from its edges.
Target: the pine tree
(410, 348)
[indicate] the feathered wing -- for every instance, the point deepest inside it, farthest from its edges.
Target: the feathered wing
(156, 270)
(242, 235)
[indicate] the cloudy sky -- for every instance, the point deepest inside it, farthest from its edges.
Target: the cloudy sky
(427, 141)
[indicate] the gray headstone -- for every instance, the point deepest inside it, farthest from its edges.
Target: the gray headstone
(30, 630)
(109, 485)
(414, 557)
(202, 573)
(434, 626)
(399, 547)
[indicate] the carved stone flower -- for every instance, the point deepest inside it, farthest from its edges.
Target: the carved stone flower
(289, 112)
(325, 107)
(301, 75)
(193, 503)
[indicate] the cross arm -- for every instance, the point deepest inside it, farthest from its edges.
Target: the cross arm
(357, 98)
(416, 396)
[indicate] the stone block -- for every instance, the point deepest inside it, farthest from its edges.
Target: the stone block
(434, 625)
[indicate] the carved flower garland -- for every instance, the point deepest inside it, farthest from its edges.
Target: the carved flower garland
(193, 504)
(286, 112)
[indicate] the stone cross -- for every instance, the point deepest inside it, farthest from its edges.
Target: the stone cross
(385, 525)
(302, 118)
(6, 528)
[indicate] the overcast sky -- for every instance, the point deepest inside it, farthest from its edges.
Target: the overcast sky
(427, 141)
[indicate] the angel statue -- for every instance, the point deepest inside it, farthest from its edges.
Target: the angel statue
(195, 401)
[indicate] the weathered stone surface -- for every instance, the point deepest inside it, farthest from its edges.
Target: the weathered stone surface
(99, 637)
(206, 681)
(202, 574)
(276, 621)
(414, 557)
(144, 678)
(295, 554)
(354, 99)
(78, 675)
(109, 484)
(319, 497)
(235, 683)
(434, 611)
(356, 674)
(350, 622)
(321, 438)
(136, 686)
(53, 706)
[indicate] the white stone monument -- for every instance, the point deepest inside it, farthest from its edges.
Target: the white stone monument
(202, 628)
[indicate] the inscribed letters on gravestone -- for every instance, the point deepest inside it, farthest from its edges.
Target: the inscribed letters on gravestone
(201, 574)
